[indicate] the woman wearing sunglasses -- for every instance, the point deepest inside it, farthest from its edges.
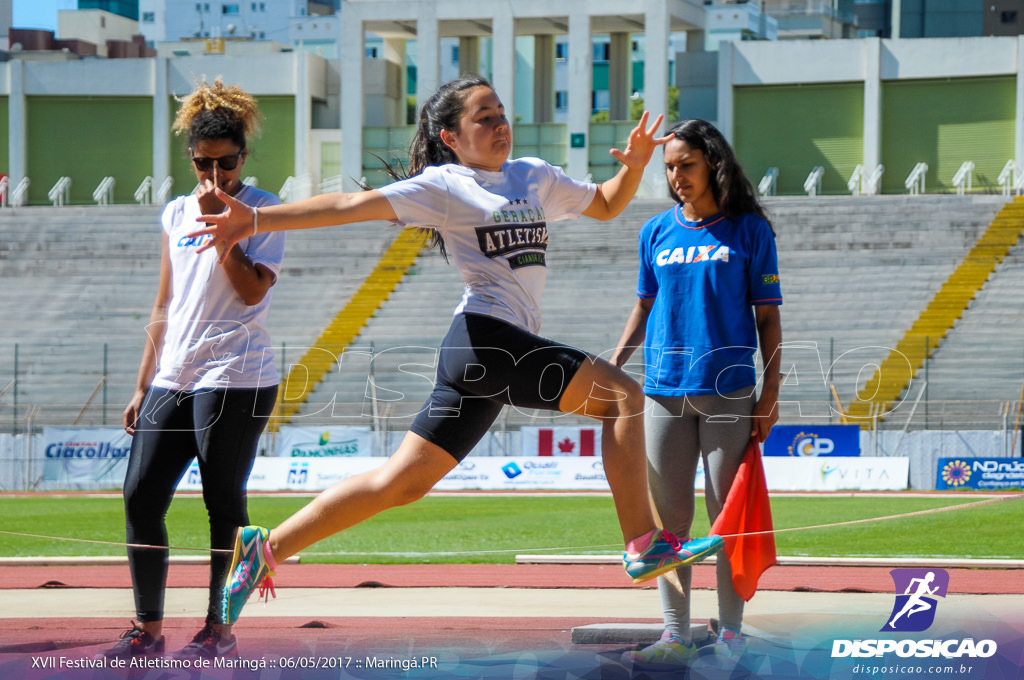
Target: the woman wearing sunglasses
(207, 381)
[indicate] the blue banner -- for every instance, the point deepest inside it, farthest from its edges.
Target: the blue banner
(803, 441)
(980, 473)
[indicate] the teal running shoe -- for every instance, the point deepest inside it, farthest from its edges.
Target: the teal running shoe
(661, 555)
(249, 571)
(699, 549)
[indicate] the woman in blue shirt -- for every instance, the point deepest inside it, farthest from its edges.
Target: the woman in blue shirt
(709, 294)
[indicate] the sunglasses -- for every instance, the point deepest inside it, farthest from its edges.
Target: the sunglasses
(205, 164)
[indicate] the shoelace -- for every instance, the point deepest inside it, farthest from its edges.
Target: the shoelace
(672, 540)
(267, 590)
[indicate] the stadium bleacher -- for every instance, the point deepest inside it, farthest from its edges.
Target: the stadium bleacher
(855, 270)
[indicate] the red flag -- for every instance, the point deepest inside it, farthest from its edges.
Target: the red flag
(747, 510)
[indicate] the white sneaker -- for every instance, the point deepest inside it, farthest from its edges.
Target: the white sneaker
(728, 648)
(668, 651)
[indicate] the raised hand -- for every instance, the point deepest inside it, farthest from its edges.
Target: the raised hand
(228, 227)
(641, 143)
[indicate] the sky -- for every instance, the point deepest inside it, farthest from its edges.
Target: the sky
(39, 13)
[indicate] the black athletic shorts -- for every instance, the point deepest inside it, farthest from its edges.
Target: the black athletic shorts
(486, 363)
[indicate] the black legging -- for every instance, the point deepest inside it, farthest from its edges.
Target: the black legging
(221, 428)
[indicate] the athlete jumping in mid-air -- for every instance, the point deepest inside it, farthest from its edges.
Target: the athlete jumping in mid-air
(916, 604)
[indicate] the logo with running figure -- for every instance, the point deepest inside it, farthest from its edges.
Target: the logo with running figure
(916, 590)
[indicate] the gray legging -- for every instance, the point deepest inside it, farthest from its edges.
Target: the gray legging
(679, 432)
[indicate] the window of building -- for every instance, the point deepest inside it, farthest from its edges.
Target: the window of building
(1008, 17)
(561, 51)
(230, 9)
(561, 100)
(371, 52)
(455, 54)
(149, 17)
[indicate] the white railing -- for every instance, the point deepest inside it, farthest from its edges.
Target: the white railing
(20, 195)
(60, 194)
(962, 178)
(163, 194)
(295, 189)
(3, 191)
(331, 185)
(856, 182)
(873, 185)
(104, 193)
(251, 181)
(812, 185)
(915, 180)
(144, 194)
(1008, 177)
(766, 187)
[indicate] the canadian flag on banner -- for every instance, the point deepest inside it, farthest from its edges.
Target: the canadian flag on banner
(560, 441)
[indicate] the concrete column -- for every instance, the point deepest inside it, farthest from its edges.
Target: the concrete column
(428, 53)
(695, 41)
(620, 76)
(469, 54)
(581, 69)
(17, 132)
(543, 78)
(872, 105)
(725, 99)
(161, 124)
(503, 58)
(303, 118)
(1018, 126)
(353, 53)
(656, 28)
(394, 52)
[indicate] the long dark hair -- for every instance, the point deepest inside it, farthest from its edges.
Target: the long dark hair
(733, 192)
(441, 112)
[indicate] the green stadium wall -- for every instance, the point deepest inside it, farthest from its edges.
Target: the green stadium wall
(87, 139)
(944, 123)
(797, 127)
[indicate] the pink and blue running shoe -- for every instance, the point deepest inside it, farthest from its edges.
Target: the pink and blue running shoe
(249, 571)
(665, 553)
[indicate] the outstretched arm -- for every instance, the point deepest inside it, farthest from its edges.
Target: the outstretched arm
(614, 195)
(239, 221)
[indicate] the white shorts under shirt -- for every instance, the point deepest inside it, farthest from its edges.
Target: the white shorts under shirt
(494, 226)
(213, 339)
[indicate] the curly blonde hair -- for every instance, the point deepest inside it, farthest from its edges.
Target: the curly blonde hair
(217, 112)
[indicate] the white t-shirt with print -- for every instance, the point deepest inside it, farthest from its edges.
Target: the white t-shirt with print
(213, 339)
(494, 226)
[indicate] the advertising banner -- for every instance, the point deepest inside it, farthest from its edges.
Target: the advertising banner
(979, 473)
(292, 474)
(803, 441)
(329, 442)
(94, 456)
(560, 441)
(836, 474)
(498, 473)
